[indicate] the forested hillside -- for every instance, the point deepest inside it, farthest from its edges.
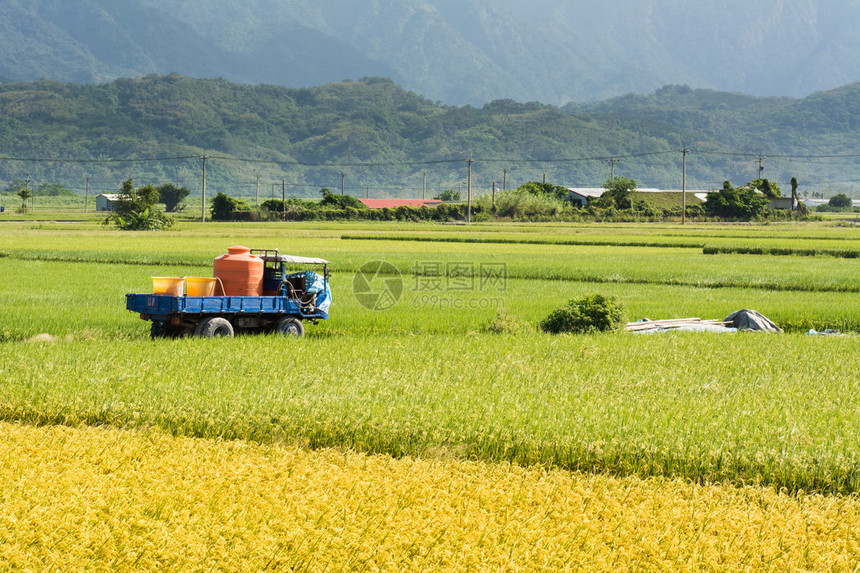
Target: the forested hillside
(375, 138)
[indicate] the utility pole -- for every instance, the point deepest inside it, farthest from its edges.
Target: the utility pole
(342, 175)
(494, 196)
(504, 179)
(87, 196)
(794, 199)
(684, 186)
(424, 187)
(469, 193)
(257, 196)
(273, 190)
(203, 203)
(283, 200)
(30, 189)
(760, 159)
(612, 162)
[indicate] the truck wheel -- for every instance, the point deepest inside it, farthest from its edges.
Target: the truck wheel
(290, 327)
(212, 327)
(157, 330)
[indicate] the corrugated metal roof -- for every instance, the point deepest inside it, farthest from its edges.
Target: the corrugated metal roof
(598, 191)
(587, 191)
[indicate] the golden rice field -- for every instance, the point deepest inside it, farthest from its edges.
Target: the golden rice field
(95, 499)
(448, 436)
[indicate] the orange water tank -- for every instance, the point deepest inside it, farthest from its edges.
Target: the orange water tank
(238, 273)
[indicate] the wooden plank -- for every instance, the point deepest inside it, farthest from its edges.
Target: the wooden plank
(672, 323)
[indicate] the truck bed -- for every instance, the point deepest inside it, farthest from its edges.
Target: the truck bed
(162, 307)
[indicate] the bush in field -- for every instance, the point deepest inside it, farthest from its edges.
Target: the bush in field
(767, 188)
(172, 196)
(135, 209)
(592, 313)
(448, 195)
(523, 205)
(224, 207)
(617, 193)
(741, 204)
(340, 201)
(841, 201)
(544, 190)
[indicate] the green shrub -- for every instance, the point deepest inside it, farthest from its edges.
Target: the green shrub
(592, 313)
(840, 201)
(136, 211)
(341, 201)
(224, 207)
(742, 203)
(525, 206)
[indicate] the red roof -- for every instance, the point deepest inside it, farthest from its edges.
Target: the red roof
(395, 203)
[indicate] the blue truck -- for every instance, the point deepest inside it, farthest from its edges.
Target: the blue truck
(290, 299)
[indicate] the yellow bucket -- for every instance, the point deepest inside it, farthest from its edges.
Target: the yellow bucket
(199, 286)
(167, 285)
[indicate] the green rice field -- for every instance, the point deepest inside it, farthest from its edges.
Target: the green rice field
(457, 368)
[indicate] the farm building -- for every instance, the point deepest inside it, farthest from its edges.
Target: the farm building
(395, 203)
(582, 195)
(783, 203)
(106, 201)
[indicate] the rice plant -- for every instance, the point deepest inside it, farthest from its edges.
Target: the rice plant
(93, 499)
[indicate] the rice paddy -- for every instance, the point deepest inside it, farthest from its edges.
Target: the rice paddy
(683, 426)
(96, 499)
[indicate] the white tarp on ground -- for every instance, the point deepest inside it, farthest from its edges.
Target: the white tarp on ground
(748, 320)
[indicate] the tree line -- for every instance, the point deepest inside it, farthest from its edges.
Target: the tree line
(137, 208)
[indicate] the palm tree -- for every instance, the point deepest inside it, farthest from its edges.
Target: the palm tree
(24, 194)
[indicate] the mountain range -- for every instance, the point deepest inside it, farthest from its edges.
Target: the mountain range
(372, 137)
(454, 52)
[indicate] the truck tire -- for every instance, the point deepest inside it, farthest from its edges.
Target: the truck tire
(212, 327)
(157, 330)
(290, 327)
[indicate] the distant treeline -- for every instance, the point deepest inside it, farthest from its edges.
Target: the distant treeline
(533, 201)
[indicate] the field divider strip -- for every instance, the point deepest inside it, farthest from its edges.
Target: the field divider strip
(590, 279)
(64, 258)
(495, 240)
(408, 271)
(780, 251)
